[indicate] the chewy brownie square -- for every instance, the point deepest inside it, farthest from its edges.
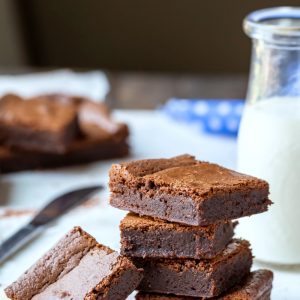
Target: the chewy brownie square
(184, 190)
(77, 268)
(79, 152)
(197, 278)
(148, 237)
(101, 137)
(256, 286)
(37, 124)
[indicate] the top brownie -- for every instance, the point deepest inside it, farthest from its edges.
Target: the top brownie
(38, 123)
(184, 190)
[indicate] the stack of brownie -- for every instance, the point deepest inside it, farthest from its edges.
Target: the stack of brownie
(180, 228)
(57, 130)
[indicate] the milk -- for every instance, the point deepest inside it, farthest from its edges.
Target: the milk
(269, 148)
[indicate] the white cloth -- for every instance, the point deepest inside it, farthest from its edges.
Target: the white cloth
(90, 84)
(152, 135)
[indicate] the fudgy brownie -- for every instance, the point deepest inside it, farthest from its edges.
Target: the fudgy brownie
(256, 286)
(80, 152)
(184, 190)
(197, 278)
(77, 268)
(104, 139)
(148, 237)
(37, 124)
(95, 120)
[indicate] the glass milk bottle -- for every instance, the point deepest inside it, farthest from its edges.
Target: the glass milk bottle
(269, 136)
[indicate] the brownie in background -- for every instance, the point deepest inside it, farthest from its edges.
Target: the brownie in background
(97, 137)
(37, 124)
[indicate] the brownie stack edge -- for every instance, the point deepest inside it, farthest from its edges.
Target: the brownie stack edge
(153, 238)
(180, 228)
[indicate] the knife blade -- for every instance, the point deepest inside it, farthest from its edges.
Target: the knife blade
(52, 211)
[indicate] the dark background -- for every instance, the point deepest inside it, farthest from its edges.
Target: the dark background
(151, 50)
(168, 35)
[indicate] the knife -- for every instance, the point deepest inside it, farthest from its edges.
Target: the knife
(48, 214)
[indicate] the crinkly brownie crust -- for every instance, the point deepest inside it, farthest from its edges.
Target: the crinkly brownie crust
(184, 190)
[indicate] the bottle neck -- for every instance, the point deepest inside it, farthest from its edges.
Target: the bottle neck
(275, 64)
(274, 71)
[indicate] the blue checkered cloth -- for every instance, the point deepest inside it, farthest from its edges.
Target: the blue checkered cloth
(214, 116)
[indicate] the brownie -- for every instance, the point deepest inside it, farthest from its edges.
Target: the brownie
(98, 140)
(77, 268)
(197, 278)
(80, 152)
(184, 190)
(37, 124)
(95, 121)
(148, 237)
(94, 118)
(256, 286)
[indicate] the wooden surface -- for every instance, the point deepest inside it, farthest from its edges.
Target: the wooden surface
(138, 90)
